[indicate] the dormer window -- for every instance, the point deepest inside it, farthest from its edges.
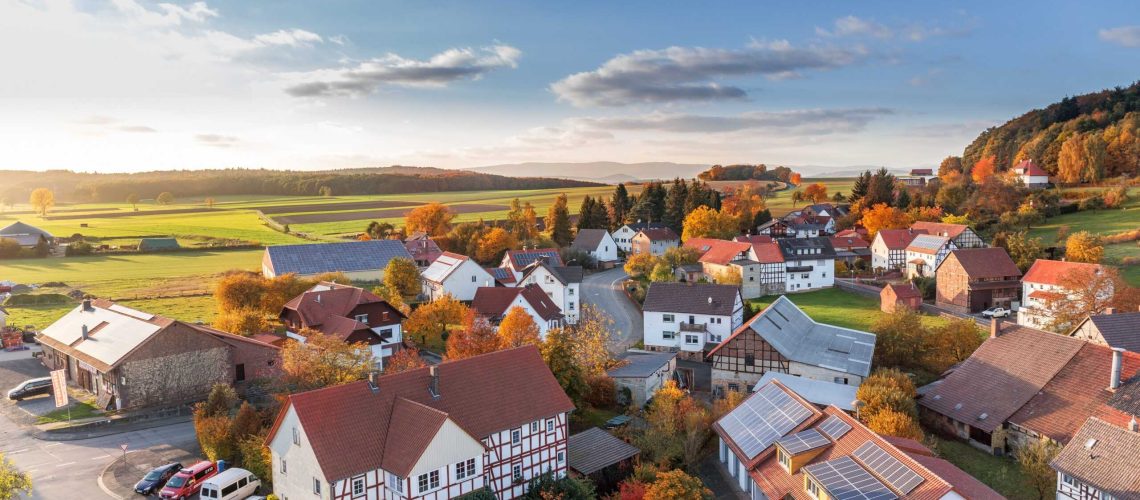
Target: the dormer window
(785, 460)
(363, 318)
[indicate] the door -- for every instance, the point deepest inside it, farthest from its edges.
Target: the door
(239, 372)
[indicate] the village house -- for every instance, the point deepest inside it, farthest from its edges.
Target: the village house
(423, 249)
(971, 280)
(654, 241)
(776, 444)
(960, 234)
(809, 263)
(497, 421)
(1099, 463)
(776, 228)
(690, 318)
(561, 283)
(455, 275)
(784, 339)
(598, 243)
(642, 373)
(130, 359)
(517, 260)
(722, 257)
(1043, 284)
(1032, 175)
(826, 210)
(900, 295)
(359, 260)
(503, 276)
(26, 235)
(150, 245)
(351, 314)
(888, 249)
(850, 248)
(493, 303)
(623, 236)
(924, 253)
(1111, 328)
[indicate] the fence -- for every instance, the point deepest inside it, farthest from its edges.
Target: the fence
(858, 288)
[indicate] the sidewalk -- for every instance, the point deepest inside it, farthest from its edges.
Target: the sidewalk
(119, 478)
(60, 431)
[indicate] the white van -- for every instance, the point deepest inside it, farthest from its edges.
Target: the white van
(231, 484)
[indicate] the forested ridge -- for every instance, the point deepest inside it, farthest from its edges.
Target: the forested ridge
(95, 187)
(1083, 138)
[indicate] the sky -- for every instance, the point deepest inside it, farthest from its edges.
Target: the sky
(135, 85)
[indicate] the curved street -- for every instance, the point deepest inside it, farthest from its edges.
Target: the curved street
(603, 290)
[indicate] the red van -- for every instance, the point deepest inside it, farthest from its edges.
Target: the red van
(188, 481)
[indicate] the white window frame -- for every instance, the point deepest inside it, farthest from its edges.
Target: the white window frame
(432, 479)
(395, 483)
(668, 318)
(465, 469)
(550, 425)
(284, 466)
(363, 318)
(516, 472)
(534, 427)
(296, 436)
(696, 339)
(317, 486)
(561, 457)
(516, 436)
(358, 481)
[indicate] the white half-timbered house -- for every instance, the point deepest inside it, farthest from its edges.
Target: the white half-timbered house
(493, 421)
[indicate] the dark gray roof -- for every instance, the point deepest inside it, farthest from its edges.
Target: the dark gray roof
(1126, 398)
(152, 244)
(589, 239)
(348, 256)
(645, 225)
(522, 258)
(18, 227)
(1119, 329)
(595, 449)
(640, 364)
(569, 274)
(791, 247)
(799, 338)
(691, 298)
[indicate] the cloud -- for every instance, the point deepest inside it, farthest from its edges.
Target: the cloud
(855, 26)
(167, 15)
(776, 123)
(216, 141)
(136, 129)
(339, 39)
(100, 124)
(392, 69)
(292, 38)
(926, 78)
(689, 73)
(1124, 36)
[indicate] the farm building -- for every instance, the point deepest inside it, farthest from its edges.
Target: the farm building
(974, 279)
(158, 245)
(1100, 462)
(1111, 328)
(896, 295)
(359, 260)
(594, 451)
(642, 373)
(26, 235)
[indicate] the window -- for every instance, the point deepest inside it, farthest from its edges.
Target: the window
(734, 387)
(465, 469)
(516, 436)
(357, 486)
(316, 486)
(534, 427)
(668, 318)
(1067, 479)
(812, 487)
(840, 380)
(561, 457)
(363, 318)
(395, 483)
(239, 372)
(428, 481)
(570, 292)
(296, 436)
(692, 339)
(228, 490)
(473, 278)
(749, 360)
(784, 459)
(284, 466)
(550, 425)
(571, 306)
(516, 472)
(668, 335)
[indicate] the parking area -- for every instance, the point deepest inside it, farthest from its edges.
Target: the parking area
(16, 367)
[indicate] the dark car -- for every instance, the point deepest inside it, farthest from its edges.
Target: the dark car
(29, 388)
(156, 478)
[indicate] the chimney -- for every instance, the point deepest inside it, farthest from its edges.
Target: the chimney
(433, 388)
(995, 327)
(85, 335)
(1109, 310)
(318, 298)
(710, 301)
(374, 381)
(1133, 425)
(86, 304)
(1117, 361)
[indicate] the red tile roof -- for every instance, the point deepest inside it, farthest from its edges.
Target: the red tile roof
(660, 234)
(1077, 392)
(715, 251)
(992, 262)
(768, 253)
(1103, 456)
(856, 232)
(1029, 167)
(315, 307)
(424, 249)
(353, 429)
(753, 239)
(898, 239)
(940, 228)
(1050, 272)
(999, 378)
(904, 291)
(495, 301)
(851, 241)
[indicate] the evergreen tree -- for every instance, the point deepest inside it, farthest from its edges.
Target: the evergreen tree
(675, 205)
(761, 217)
(903, 201)
(641, 211)
(656, 193)
(881, 189)
(558, 221)
(619, 206)
(862, 184)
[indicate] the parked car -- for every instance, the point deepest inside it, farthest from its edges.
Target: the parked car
(29, 388)
(156, 478)
(188, 481)
(230, 484)
(996, 312)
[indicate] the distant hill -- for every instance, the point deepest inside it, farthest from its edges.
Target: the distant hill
(84, 187)
(1100, 131)
(602, 171)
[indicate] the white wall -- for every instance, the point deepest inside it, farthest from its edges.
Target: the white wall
(302, 465)
(623, 237)
(461, 283)
(719, 328)
(822, 274)
(607, 250)
(562, 295)
(880, 254)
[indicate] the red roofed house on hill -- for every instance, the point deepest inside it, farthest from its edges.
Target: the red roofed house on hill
(349, 313)
(497, 420)
(1043, 282)
(971, 280)
(1032, 175)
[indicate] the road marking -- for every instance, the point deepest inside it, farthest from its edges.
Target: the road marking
(100, 458)
(66, 464)
(15, 452)
(53, 444)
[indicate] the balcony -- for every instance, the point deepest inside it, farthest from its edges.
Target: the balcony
(694, 327)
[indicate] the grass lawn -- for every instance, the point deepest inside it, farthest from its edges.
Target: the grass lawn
(593, 417)
(1002, 474)
(1102, 222)
(79, 409)
(781, 203)
(836, 307)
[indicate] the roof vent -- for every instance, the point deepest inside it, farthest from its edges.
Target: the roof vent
(1133, 425)
(710, 301)
(937, 397)
(983, 416)
(1090, 443)
(85, 334)
(958, 406)
(318, 298)
(374, 381)
(433, 386)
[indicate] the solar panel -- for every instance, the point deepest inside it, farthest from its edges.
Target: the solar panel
(844, 479)
(834, 427)
(762, 419)
(803, 441)
(894, 472)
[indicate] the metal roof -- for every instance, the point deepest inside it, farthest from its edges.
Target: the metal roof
(799, 338)
(640, 364)
(820, 392)
(595, 449)
(112, 332)
(346, 256)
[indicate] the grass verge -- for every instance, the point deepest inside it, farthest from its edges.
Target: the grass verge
(79, 409)
(1001, 474)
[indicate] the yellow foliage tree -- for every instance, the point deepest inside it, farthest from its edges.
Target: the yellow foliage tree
(323, 361)
(704, 222)
(640, 264)
(243, 321)
(518, 329)
(42, 200)
(883, 216)
(429, 322)
(676, 485)
(433, 218)
(892, 423)
(402, 276)
(493, 244)
(1084, 247)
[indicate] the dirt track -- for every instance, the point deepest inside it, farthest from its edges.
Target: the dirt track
(326, 207)
(463, 208)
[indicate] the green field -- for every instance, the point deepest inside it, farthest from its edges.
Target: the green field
(1103, 222)
(836, 307)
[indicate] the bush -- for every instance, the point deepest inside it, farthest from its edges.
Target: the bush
(9, 249)
(78, 249)
(1093, 203)
(602, 392)
(37, 299)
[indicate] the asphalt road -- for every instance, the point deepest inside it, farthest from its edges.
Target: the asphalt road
(603, 290)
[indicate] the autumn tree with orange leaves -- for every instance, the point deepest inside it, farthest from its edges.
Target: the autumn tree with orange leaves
(983, 170)
(518, 329)
(476, 337)
(433, 218)
(404, 360)
(883, 216)
(816, 192)
(795, 179)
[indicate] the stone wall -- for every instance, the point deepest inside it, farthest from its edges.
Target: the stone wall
(179, 364)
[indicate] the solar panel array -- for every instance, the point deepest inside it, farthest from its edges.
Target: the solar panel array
(802, 441)
(834, 427)
(894, 472)
(762, 419)
(844, 479)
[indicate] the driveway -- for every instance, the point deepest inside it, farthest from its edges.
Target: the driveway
(11, 374)
(603, 290)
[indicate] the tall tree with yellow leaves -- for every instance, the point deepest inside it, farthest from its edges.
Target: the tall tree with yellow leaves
(518, 329)
(433, 218)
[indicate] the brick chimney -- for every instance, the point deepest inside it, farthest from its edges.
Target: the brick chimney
(374, 380)
(433, 387)
(995, 327)
(86, 304)
(1117, 362)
